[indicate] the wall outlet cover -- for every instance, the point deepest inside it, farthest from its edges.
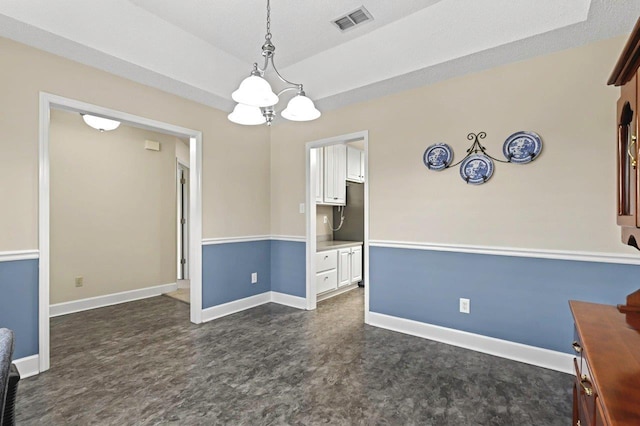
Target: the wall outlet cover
(254, 277)
(465, 306)
(79, 281)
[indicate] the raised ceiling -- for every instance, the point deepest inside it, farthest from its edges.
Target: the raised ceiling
(201, 49)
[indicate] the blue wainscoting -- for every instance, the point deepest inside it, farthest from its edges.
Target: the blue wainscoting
(288, 264)
(19, 304)
(227, 268)
(519, 299)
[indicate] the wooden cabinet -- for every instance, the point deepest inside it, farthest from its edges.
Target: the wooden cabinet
(625, 75)
(319, 188)
(355, 164)
(606, 388)
(350, 266)
(335, 175)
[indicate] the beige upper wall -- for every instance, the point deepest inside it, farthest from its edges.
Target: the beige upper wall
(235, 158)
(113, 209)
(564, 200)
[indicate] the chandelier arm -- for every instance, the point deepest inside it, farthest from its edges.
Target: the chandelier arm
(286, 89)
(284, 80)
(263, 69)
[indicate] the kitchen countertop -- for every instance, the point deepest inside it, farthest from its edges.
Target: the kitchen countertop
(336, 244)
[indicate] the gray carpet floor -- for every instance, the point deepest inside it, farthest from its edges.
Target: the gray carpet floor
(144, 363)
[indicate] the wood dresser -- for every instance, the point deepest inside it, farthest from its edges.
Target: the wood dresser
(607, 386)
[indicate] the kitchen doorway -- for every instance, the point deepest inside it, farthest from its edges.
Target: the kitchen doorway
(336, 266)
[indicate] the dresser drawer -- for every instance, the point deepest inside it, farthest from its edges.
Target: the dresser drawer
(326, 281)
(326, 260)
(586, 397)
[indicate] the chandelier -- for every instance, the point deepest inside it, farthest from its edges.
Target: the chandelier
(256, 100)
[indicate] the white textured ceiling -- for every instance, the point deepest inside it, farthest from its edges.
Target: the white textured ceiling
(201, 49)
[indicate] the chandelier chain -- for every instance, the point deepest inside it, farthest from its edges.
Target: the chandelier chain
(268, 35)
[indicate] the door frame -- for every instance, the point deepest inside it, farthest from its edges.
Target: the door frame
(310, 182)
(49, 101)
(179, 166)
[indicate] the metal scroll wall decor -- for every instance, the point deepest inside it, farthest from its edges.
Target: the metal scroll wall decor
(477, 166)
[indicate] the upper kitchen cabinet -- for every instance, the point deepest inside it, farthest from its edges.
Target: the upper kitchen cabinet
(335, 174)
(625, 75)
(355, 164)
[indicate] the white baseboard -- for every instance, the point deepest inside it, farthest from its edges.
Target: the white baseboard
(229, 308)
(109, 299)
(540, 357)
(28, 366)
(236, 306)
(337, 292)
(289, 300)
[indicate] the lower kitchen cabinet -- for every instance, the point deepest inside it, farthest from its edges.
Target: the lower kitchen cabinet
(338, 268)
(349, 265)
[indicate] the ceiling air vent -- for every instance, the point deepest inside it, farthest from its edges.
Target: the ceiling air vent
(351, 19)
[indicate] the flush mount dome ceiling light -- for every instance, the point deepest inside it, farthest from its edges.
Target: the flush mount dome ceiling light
(100, 123)
(256, 100)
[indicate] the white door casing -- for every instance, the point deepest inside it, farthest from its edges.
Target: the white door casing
(48, 101)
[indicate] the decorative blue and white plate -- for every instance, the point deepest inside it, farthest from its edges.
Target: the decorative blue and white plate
(476, 169)
(522, 147)
(438, 156)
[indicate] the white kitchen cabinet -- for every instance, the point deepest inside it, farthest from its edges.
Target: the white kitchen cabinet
(335, 175)
(356, 264)
(355, 164)
(319, 153)
(349, 265)
(326, 271)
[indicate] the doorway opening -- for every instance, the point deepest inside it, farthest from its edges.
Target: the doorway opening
(337, 237)
(182, 291)
(50, 102)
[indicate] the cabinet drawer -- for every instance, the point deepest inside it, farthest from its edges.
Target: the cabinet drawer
(585, 393)
(326, 260)
(326, 281)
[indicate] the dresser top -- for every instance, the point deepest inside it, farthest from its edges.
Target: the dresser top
(611, 343)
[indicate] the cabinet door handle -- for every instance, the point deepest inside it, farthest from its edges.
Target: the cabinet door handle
(326, 257)
(634, 162)
(586, 385)
(576, 347)
(326, 278)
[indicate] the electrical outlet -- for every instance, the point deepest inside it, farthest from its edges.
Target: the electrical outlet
(465, 305)
(254, 277)
(301, 207)
(79, 281)
(326, 219)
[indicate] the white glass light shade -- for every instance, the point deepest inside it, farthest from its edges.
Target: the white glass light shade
(100, 123)
(300, 108)
(247, 115)
(255, 91)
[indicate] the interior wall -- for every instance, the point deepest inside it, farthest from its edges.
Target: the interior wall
(235, 171)
(113, 209)
(563, 201)
(323, 230)
(229, 150)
